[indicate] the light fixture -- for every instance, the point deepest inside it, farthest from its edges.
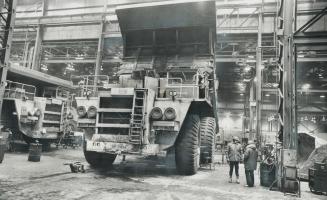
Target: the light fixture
(322, 96)
(306, 86)
(44, 67)
(247, 68)
(323, 119)
(70, 67)
(267, 95)
(241, 94)
(306, 118)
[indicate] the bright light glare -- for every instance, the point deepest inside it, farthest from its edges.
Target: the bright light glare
(306, 86)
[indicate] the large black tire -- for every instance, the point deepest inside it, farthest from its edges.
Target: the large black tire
(207, 133)
(96, 159)
(187, 155)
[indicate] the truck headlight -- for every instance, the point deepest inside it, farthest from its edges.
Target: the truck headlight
(91, 112)
(156, 113)
(81, 111)
(170, 113)
(172, 93)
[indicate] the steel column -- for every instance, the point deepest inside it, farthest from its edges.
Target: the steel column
(38, 39)
(98, 61)
(259, 79)
(7, 39)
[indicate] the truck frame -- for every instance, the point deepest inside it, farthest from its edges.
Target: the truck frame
(163, 99)
(32, 117)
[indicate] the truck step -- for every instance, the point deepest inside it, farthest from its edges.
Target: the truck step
(138, 106)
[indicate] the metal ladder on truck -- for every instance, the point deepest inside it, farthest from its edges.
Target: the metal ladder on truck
(138, 114)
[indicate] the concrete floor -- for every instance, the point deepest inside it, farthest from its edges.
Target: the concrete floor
(50, 179)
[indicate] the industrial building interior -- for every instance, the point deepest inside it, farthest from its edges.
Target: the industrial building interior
(270, 58)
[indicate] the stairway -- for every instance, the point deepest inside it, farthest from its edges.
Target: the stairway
(137, 118)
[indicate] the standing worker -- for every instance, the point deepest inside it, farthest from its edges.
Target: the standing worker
(250, 163)
(234, 156)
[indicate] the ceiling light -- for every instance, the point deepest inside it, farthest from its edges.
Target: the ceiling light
(241, 94)
(322, 96)
(267, 95)
(44, 68)
(250, 56)
(306, 86)
(247, 68)
(275, 84)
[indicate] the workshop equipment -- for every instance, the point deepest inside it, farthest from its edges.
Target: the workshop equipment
(267, 174)
(76, 167)
(34, 153)
(318, 178)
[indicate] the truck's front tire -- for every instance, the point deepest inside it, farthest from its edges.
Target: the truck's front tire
(96, 159)
(207, 133)
(187, 146)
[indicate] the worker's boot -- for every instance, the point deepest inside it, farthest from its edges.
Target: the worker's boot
(237, 180)
(230, 180)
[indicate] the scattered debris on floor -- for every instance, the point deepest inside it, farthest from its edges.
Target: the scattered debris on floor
(76, 167)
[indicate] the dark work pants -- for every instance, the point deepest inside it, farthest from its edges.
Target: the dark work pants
(249, 174)
(233, 164)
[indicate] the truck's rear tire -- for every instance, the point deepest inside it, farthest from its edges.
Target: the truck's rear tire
(187, 146)
(207, 133)
(96, 159)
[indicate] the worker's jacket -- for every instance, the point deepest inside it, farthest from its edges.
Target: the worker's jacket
(250, 157)
(234, 152)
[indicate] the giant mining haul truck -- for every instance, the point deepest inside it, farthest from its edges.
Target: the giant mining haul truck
(163, 99)
(33, 117)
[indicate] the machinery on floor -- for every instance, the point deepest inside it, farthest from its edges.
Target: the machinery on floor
(164, 101)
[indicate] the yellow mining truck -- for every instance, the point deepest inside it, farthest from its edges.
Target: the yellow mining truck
(163, 98)
(32, 118)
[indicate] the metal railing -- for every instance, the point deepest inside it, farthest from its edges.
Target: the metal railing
(182, 89)
(90, 84)
(16, 90)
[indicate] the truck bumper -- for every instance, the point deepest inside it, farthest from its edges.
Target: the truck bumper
(109, 147)
(123, 148)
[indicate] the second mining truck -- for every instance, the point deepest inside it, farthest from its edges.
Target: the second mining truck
(163, 98)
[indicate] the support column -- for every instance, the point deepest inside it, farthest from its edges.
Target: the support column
(7, 39)
(98, 61)
(251, 111)
(259, 79)
(38, 39)
(287, 160)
